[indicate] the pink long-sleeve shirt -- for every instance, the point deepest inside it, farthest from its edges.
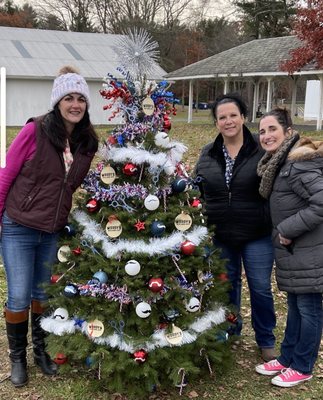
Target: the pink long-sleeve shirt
(21, 150)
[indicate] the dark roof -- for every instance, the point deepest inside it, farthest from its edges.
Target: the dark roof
(258, 57)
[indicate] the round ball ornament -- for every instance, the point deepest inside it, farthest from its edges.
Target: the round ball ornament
(193, 305)
(179, 185)
(156, 285)
(188, 247)
(93, 205)
(71, 290)
(77, 251)
(113, 227)
(95, 328)
(171, 315)
(60, 314)
(132, 267)
(167, 125)
(69, 230)
(161, 139)
(60, 359)
(130, 169)
(140, 356)
(148, 106)
(143, 309)
(55, 278)
(231, 317)
(169, 167)
(183, 222)
(151, 202)
(101, 276)
(63, 253)
(108, 175)
(157, 228)
(196, 203)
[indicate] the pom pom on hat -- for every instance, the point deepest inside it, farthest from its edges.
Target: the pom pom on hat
(69, 81)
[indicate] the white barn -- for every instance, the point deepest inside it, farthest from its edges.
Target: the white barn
(33, 57)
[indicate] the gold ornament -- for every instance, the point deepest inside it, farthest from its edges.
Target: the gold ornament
(183, 221)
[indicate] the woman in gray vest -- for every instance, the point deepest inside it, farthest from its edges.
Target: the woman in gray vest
(291, 172)
(46, 163)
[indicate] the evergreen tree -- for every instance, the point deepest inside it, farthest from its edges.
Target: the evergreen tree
(139, 293)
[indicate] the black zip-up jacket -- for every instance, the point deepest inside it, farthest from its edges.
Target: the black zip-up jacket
(41, 195)
(239, 213)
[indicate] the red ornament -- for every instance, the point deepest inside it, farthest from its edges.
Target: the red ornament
(93, 205)
(232, 318)
(156, 284)
(196, 203)
(60, 359)
(167, 125)
(140, 356)
(223, 277)
(112, 140)
(54, 278)
(139, 225)
(130, 169)
(77, 251)
(188, 247)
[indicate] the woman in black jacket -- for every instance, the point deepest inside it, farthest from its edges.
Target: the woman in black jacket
(230, 187)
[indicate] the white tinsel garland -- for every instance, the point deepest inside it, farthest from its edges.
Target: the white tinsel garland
(93, 232)
(158, 338)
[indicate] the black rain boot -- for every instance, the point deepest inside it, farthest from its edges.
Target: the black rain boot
(41, 358)
(17, 329)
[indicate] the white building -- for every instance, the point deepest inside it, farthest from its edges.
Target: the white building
(33, 57)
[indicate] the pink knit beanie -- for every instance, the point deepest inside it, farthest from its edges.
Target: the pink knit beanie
(69, 81)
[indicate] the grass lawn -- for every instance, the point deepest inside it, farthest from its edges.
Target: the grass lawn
(242, 382)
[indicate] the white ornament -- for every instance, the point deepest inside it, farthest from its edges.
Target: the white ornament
(161, 139)
(193, 305)
(132, 267)
(143, 309)
(169, 168)
(60, 314)
(151, 202)
(63, 252)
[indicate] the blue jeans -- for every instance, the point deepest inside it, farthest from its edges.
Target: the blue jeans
(300, 347)
(27, 255)
(257, 258)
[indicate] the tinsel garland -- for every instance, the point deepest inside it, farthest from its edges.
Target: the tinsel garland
(123, 342)
(155, 246)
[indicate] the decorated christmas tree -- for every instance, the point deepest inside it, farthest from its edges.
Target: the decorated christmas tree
(139, 294)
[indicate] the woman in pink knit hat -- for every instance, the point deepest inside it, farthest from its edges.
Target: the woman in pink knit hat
(46, 163)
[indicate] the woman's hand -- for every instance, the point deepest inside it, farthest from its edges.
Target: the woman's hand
(284, 241)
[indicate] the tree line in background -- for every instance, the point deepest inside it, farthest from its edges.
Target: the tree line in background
(184, 29)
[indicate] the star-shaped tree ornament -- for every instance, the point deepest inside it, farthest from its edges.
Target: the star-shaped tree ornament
(139, 225)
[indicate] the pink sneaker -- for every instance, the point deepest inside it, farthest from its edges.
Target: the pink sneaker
(269, 368)
(289, 377)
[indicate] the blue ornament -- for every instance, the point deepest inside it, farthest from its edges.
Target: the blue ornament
(179, 185)
(93, 281)
(171, 315)
(69, 230)
(101, 276)
(89, 361)
(222, 336)
(157, 228)
(71, 290)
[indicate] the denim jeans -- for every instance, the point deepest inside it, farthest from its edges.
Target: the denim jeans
(300, 347)
(257, 259)
(27, 255)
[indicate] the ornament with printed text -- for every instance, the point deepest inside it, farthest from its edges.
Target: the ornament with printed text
(148, 106)
(162, 139)
(113, 227)
(143, 309)
(188, 247)
(93, 205)
(130, 169)
(71, 290)
(60, 359)
(60, 315)
(196, 203)
(157, 228)
(101, 276)
(156, 285)
(63, 253)
(95, 328)
(175, 337)
(193, 305)
(151, 202)
(179, 185)
(183, 221)
(108, 175)
(140, 356)
(132, 267)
